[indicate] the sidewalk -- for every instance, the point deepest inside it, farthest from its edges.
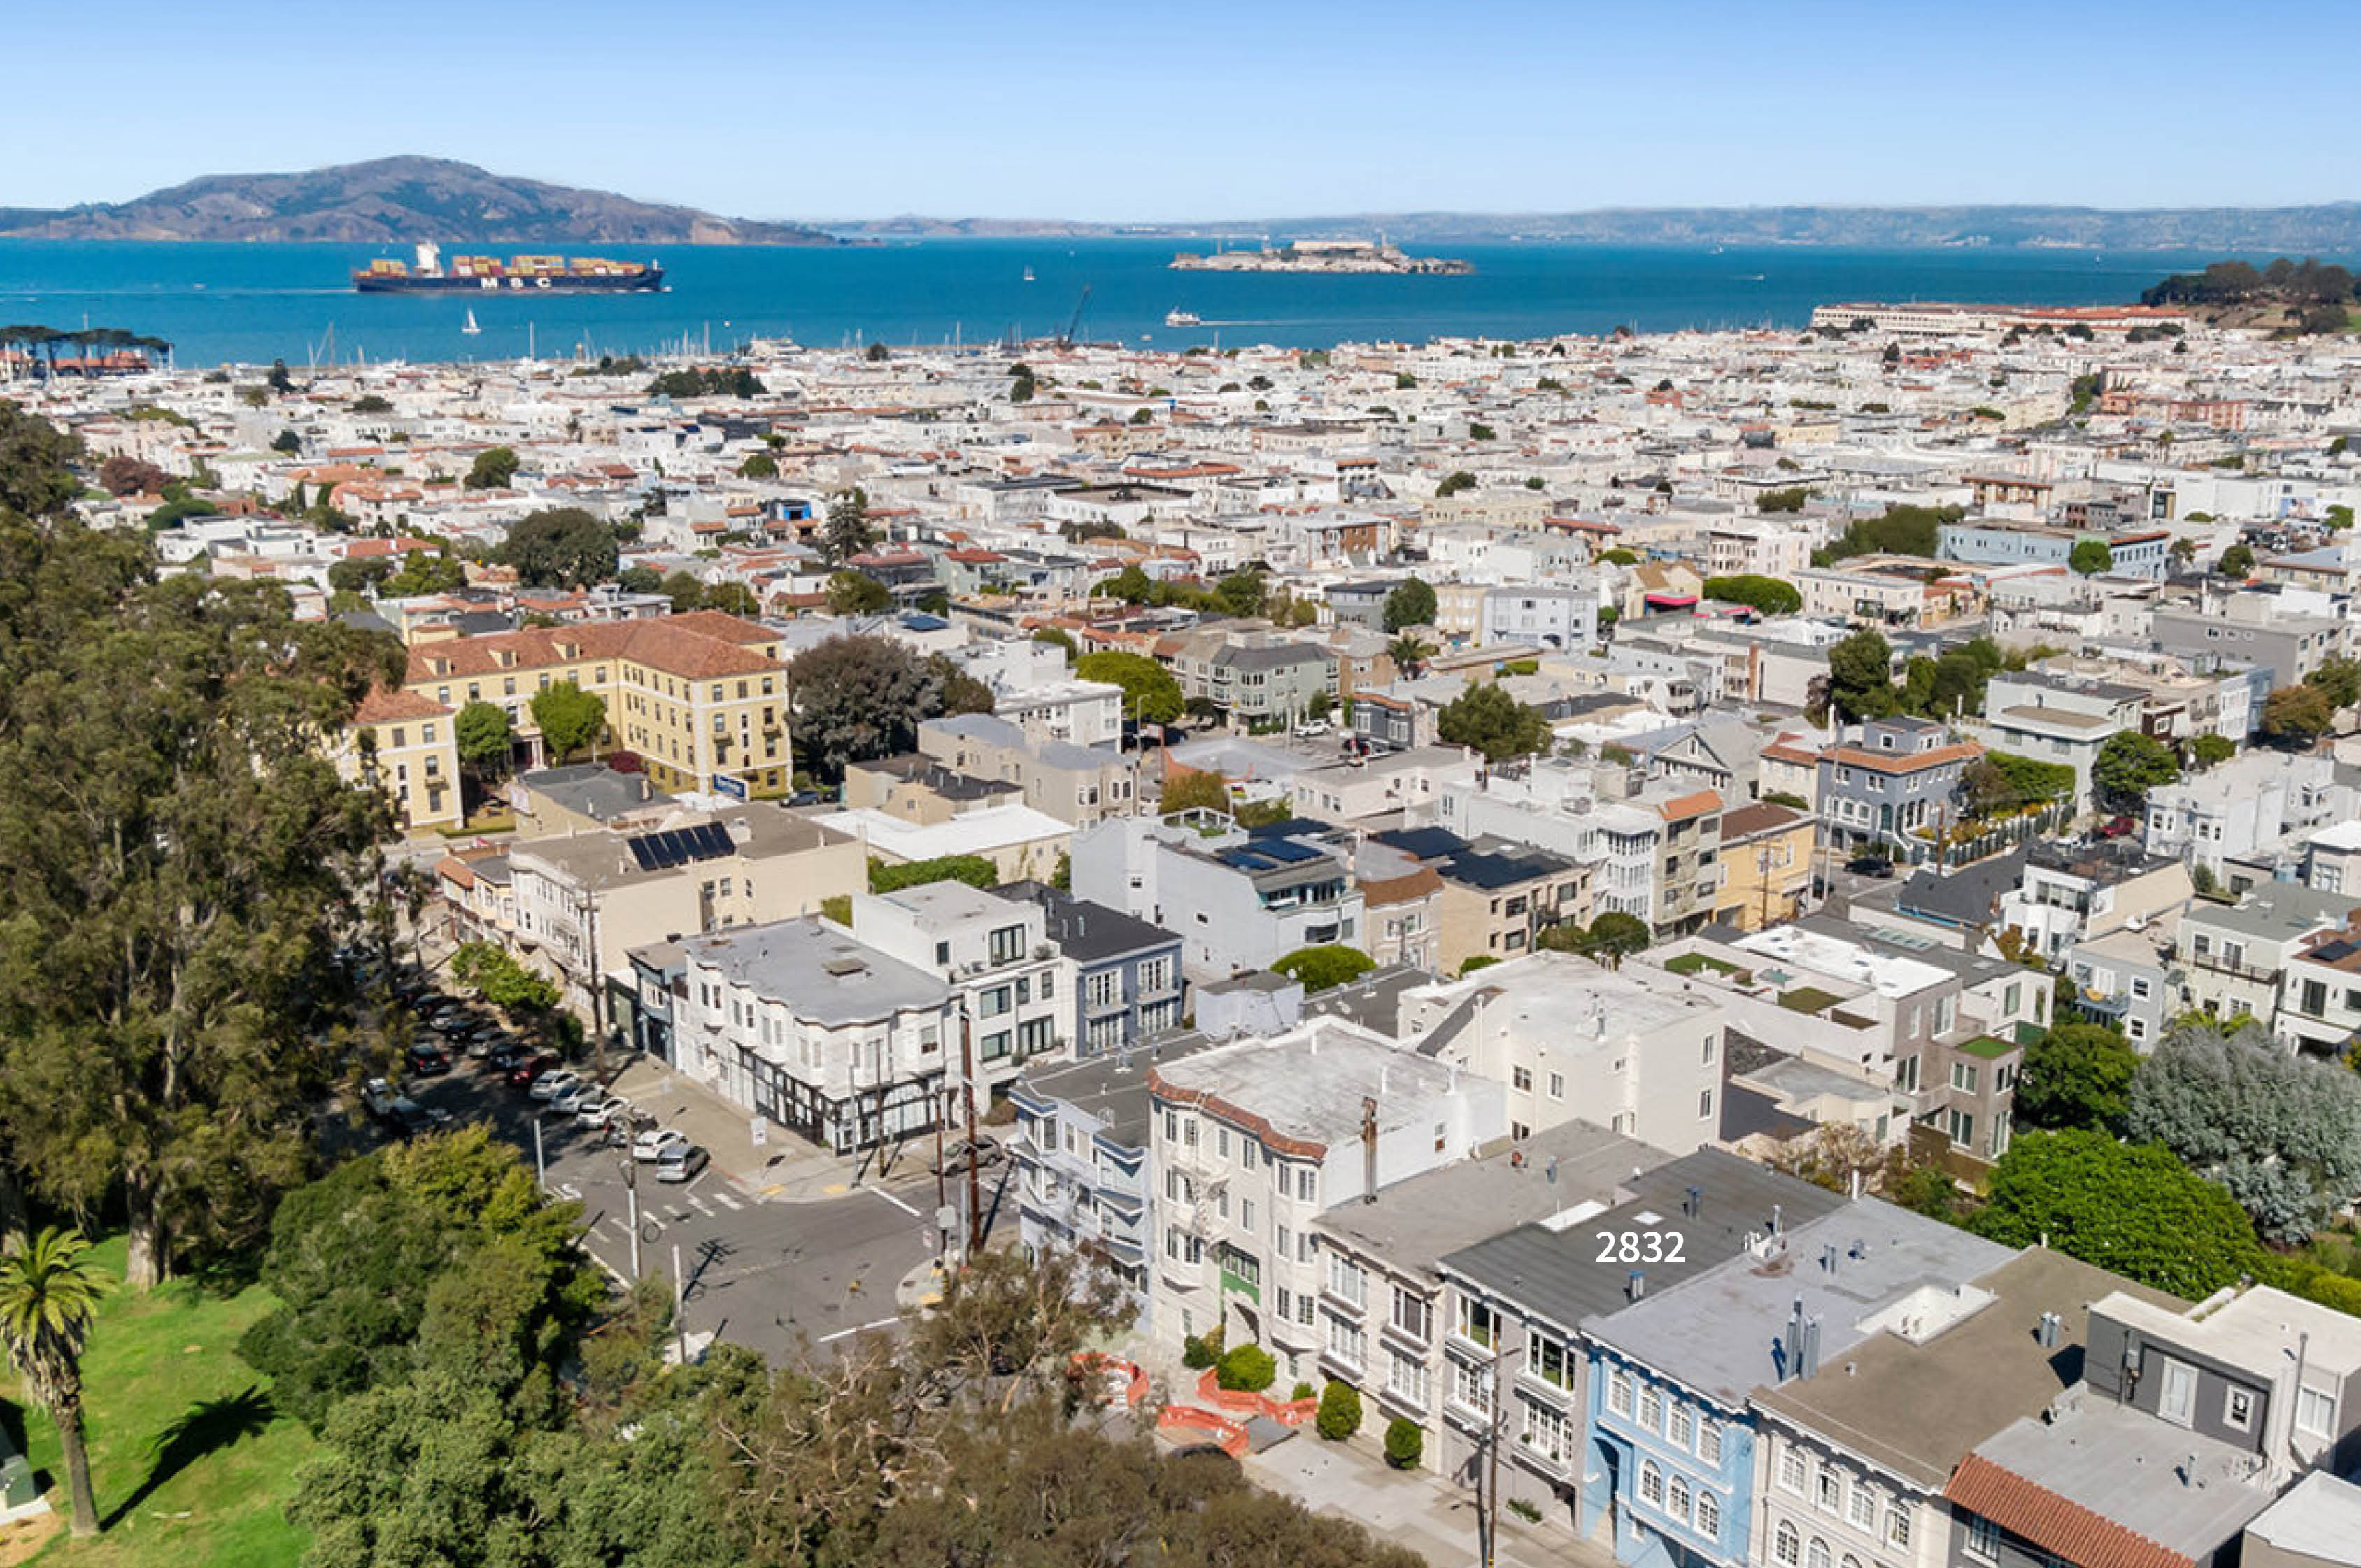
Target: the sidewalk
(782, 1169)
(1418, 1510)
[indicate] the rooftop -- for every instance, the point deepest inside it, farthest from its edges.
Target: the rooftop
(1304, 1087)
(1110, 1088)
(818, 970)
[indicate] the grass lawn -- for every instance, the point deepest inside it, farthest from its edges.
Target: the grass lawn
(191, 1465)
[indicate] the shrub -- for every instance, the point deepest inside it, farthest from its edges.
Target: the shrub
(1405, 1443)
(1529, 1512)
(1200, 1351)
(1246, 1368)
(1303, 1391)
(1340, 1411)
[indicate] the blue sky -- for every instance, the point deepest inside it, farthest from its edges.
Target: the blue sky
(1219, 109)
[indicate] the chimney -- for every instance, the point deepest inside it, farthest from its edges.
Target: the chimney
(2048, 1332)
(1809, 1362)
(1369, 1149)
(1693, 1205)
(1777, 1210)
(1635, 1284)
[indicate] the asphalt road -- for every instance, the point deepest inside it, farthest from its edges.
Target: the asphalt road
(778, 1278)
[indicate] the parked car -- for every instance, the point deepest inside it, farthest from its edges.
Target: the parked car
(658, 1142)
(426, 1059)
(569, 1099)
(682, 1164)
(1869, 866)
(506, 1056)
(378, 1097)
(530, 1071)
(554, 1082)
(2119, 827)
(956, 1155)
(602, 1111)
(410, 1118)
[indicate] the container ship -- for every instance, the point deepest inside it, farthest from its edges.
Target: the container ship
(488, 274)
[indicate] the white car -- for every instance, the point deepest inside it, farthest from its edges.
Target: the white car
(550, 1085)
(569, 1101)
(598, 1112)
(683, 1164)
(658, 1142)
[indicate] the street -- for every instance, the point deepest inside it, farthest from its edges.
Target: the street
(770, 1272)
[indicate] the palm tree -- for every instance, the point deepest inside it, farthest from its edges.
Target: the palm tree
(48, 1294)
(1410, 652)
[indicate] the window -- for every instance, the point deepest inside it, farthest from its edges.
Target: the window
(1792, 1471)
(2179, 1396)
(1548, 1361)
(1816, 1554)
(1547, 1432)
(1705, 1103)
(1984, 1538)
(1345, 1340)
(1788, 1548)
(1676, 1498)
(1557, 1086)
(1472, 1386)
(1414, 1314)
(1478, 1324)
(1680, 1427)
(2315, 1412)
(1007, 943)
(1963, 1078)
(1346, 1280)
(1709, 1515)
(1651, 1407)
(1897, 1526)
(1406, 1377)
(1286, 1247)
(1521, 1080)
(1709, 1440)
(1651, 1484)
(1861, 1508)
(1829, 1496)
(1307, 1183)
(1618, 1393)
(2238, 1409)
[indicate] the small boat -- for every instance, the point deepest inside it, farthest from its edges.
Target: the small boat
(471, 329)
(1028, 274)
(1176, 316)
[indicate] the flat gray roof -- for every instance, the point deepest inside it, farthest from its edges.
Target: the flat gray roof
(2125, 1467)
(1113, 1087)
(2320, 1517)
(1716, 1332)
(818, 970)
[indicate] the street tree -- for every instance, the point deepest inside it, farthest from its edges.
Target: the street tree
(858, 697)
(848, 530)
(1411, 604)
(569, 719)
(48, 1298)
(1488, 718)
(560, 547)
(1150, 694)
(2127, 767)
(2210, 750)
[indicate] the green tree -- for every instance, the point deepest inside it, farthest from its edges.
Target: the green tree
(685, 589)
(2296, 716)
(48, 1298)
(1489, 719)
(485, 739)
(1613, 936)
(639, 580)
(962, 693)
(1150, 694)
(2210, 750)
(1339, 1416)
(2337, 678)
(492, 469)
(494, 974)
(2090, 558)
(848, 530)
(360, 573)
(2239, 561)
(858, 697)
(1772, 596)
(1453, 482)
(1191, 789)
(425, 572)
(1479, 431)
(1020, 383)
(1240, 594)
(179, 858)
(1901, 531)
(1246, 1368)
(1405, 1443)
(2127, 767)
(371, 403)
(1059, 637)
(569, 719)
(1410, 652)
(560, 547)
(287, 441)
(2133, 1209)
(1789, 499)
(37, 460)
(1411, 604)
(973, 869)
(1861, 677)
(1324, 967)
(2076, 1075)
(761, 466)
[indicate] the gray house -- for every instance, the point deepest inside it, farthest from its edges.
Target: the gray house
(1127, 981)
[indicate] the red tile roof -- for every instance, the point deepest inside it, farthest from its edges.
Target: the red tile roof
(700, 646)
(1905, 761)
(384, 704)
(2056, 1524)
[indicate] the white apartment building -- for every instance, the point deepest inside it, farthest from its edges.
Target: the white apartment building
(1251, 1141)
(1009, 982)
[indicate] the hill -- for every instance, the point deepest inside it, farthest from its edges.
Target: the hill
(2333, 228)
(396, 200)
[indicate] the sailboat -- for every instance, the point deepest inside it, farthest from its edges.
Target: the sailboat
(1028, 274)
(471, 329)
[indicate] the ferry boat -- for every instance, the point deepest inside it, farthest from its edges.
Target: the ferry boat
(1179, 317)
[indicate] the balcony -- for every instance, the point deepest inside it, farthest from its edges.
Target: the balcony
(2219, 965)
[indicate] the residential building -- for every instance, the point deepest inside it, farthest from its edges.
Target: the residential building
(1541, 616)
(1239, 901)
(1765, 860)
(1076, 784)
(1896, 785)
(809, 1028)
(2127, 978)
(404, 743)
(1253, 1140)
(1083, 1183)
(2242, 809)
(2231, 957)
(2319, 993)
(996, 957)
(1123, 975)
(2067, 893)
(2256, 626)
(1496, 897)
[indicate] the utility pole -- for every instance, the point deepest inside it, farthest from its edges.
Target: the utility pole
(1487, 1519)
(967, 1087)
(540, 1163)
(631, 1195)
(679, 1304)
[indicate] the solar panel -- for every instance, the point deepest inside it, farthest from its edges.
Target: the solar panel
(639, 848)
(1288, 852)
(2333, 951)
(717, 840)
